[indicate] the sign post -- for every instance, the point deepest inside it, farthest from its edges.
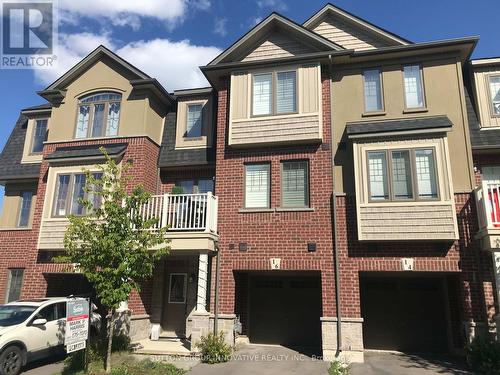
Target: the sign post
(77, 324)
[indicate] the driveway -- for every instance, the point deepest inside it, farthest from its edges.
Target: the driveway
(271, 360)
(264, 360)
(385, 363)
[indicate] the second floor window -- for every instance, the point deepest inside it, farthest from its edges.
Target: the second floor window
(373, 90)
(257, 185)
(194, 120)
(69, 190)
(274, 93)
(402, 175)
(294, 184)
(98, 115)
(201, 186)
(414, 87)
(494, 82)
(25, 208)
(39, 136)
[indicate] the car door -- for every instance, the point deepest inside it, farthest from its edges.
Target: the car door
(51, 334)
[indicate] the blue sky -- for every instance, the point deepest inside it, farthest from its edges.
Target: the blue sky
(168, 39)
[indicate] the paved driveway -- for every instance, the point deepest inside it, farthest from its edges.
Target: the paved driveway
(271, 360)
(405, 364)
(264, 360)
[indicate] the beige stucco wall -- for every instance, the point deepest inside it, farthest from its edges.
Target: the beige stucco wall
(12, 202)
(443, 88)
(137, 114)
(483, 95)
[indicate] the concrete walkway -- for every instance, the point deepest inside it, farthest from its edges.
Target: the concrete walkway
(384, 363)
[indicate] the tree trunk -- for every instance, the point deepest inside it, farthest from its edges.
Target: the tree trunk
(111, 329)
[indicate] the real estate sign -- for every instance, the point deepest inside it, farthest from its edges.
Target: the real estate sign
(77, 324)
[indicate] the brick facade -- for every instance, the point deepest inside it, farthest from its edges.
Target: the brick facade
(19, 247)
(273, 234)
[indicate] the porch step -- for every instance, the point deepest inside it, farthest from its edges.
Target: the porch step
(162, 347)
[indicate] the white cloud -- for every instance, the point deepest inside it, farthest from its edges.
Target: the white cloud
(174, 64)
(275, 5)
(128, 12)
(220, 26)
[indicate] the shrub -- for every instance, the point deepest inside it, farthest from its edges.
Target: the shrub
(339, 368)
(214, 349)
(484, 356)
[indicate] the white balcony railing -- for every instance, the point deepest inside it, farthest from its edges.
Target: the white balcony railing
(183, 212)
(488, 205)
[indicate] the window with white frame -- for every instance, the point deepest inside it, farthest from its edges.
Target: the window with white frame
(25, 209)
(295, 184)
(373, 90)
(98, 115)
(494, 82)
(39, 136)
(14, 284)
(414, 86)
(194, 120)
(257, 185)
(274, 93)
(409, 174)
(70, 189)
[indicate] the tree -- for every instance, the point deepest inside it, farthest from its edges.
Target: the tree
(112, 244)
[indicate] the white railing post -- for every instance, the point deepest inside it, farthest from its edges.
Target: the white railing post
(164, 213)
(208, 212)
(216, 214)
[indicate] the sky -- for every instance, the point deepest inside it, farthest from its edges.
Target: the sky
(169, 39)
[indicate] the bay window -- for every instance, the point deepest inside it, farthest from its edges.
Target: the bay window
(413, 86)
(98, 115)
(70, 189)
(373, 90)
(396, 175)
(274, 93)
(257, 185)
(494, 82)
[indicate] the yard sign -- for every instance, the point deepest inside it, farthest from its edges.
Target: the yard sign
(77, 324)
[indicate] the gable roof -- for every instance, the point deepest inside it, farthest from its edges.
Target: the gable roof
(364, 24)
(259, 30)
(88, 61)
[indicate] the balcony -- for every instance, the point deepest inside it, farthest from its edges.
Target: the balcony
(191, 220)
(488, 211)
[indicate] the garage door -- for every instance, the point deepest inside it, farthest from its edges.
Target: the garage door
(285, 310)
(405, 314)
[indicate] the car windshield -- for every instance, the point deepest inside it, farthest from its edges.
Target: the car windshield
(14, 314)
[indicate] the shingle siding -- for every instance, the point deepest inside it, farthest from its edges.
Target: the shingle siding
(170, 157)
(10, 158)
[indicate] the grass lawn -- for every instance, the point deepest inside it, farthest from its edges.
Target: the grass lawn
(124, 364)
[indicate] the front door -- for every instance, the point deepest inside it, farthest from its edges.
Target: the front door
(175, 299)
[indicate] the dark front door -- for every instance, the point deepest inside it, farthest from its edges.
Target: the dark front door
(285, 309)
(404, 313)
(175, 298)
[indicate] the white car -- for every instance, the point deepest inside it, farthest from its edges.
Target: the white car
(29, 330)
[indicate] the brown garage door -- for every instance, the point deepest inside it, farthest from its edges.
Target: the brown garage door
(405, 314)
(285, 310)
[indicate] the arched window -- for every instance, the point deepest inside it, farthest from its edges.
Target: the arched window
(102, 112)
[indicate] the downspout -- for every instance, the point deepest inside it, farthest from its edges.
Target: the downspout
(216, 302)
(334, 221)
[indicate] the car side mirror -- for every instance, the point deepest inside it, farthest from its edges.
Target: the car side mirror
(39, 322)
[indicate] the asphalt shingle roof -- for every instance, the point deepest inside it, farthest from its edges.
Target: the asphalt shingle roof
(421, 123)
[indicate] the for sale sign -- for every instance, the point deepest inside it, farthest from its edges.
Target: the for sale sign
(77, 323)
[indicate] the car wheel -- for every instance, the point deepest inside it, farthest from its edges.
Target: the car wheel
(11, 361)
